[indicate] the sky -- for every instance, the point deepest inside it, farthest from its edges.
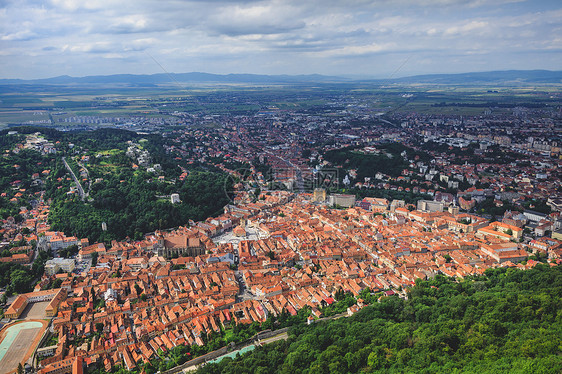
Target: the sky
(376, 38)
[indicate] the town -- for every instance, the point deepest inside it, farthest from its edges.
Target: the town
(325, 212)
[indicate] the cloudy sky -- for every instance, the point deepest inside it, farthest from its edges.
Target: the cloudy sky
(376, 38)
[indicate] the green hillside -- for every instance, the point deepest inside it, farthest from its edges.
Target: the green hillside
(506, 321)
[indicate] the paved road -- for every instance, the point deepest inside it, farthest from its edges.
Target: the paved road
(79, 186)
(283, 336)
(272, 339)
(88, 174)
(243, 292)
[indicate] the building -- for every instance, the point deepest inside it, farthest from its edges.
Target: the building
(17, 307)
(222, 257)
(239, 232)
(19, 258)
(397, 204)
(65, 264)
(430, 206)
(346, 201)
(319, 195)
(46, 351)
(504, 252)
(534, 216)
(180, 245)
(52, 309)
(87, 252)
(60, 241)
(56, 296)
(62, 367)
(466, 204)
(453, 209)
(502, 230)
(374, 204)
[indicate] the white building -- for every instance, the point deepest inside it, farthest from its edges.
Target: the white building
(65, 264)
(346, 201)
(175, 198)
(110, 295)
(430, 206)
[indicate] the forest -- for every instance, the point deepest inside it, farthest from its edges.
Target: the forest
(507, 320)
(367, 165)
(130, 206)
(131, 202)
(18, 278)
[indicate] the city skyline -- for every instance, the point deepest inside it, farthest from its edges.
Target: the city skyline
(382, 39)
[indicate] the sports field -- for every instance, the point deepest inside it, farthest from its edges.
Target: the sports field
(18, 343)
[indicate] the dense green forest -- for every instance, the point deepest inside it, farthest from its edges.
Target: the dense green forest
(388, 162)
(408, 197)
(18, 278)
(505, 321)
(132, 204)
(131, 201)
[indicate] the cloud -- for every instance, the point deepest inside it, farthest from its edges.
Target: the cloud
(96, 47)
(75, 5)
(256, 19)
(468, 28)
(129, 24)
(140, 44)
(360, 49)
(285, 36)
(19, 36)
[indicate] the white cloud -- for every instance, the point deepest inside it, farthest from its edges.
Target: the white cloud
(359, 50)
(96, 47)
(466, 29)
(290, 36)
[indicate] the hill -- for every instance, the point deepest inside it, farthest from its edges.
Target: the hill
(490, 77)
(509, 77)
(506, 321)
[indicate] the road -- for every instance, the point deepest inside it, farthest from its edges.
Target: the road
(243, 293)
(88, 174)
(283, 336)
(78, 185)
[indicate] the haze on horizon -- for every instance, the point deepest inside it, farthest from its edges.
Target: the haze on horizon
(381, 38)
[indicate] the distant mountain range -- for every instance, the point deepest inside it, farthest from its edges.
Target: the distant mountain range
(504, 76)
(513, 77)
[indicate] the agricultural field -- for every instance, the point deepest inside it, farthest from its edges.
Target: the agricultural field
(69, 108)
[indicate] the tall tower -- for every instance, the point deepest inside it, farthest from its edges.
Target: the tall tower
(319, 195)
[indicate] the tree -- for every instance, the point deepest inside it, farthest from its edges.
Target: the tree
(504, 321)
(99, 327)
